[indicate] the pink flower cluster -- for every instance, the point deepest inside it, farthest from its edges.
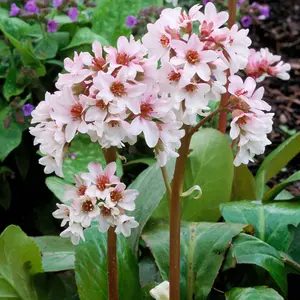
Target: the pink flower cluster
(154, 86)
(250, 124)
(263, 63)
(98, 196)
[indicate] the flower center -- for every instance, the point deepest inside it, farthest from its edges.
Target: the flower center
(173, 76)
(81, 190)
(243, 120)
(67, 212)
(116, 196)
(192, 57)
(146, 109)
(102, 182)
(87, 206)
(122, 59)
(241, 92)
(190, 88)
(118, 89)
(98, 63)
(106, 212)
(101, 104)
(114, 123)
(76, 111)
(164, 40)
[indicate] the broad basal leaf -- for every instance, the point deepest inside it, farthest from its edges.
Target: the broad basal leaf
(247, 249)
(91, 267)
(270, 221)
(253, 293)
(85, 36)
(151, 189)
(58, 253)
(275, 161)
(203, 247)
(19, 260)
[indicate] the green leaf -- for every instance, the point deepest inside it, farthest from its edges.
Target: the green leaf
(58, 254)
(203, 247)
(10, 87)
(270, 221)
(19, 260)
(243, 187)
(57, 186)
(62, 38)
(272, 193)
(10, 138)
(294, 248)
(81, 152)
(46, 48)
(85, 36)
(253, 293)
(292, 265)
(151, 189)
(91, 267)
(247, 249)
(275, 161)
(145, 160)
(109, 18)
(14, 29)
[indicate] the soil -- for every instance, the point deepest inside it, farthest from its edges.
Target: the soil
(281, 34)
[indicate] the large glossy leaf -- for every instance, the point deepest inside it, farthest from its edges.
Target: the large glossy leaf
(270, 221)
(10, 87)
(253, 293)
(19, 260)
(151, 189)
(46, 48)
(247, 249)
(243, 187)
(272, 193)
(85, 36)
(91, 268)
(203, 247)
(275, 161)
(58, 253)
(81, 152)
(109, 18)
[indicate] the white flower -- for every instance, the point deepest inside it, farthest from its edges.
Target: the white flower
(124, 225)
(63, 212)
(161, 291)
(75, 232)
(108, 217)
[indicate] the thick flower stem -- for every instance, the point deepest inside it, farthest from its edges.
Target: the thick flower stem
(112, 267)
(175, 214)
(225, 96)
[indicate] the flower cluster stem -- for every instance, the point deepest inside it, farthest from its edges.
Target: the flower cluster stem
(175, 214)
(224, 100)
(112, 267)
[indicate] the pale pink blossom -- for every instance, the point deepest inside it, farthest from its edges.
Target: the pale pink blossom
(125, 224)
(75, 232)
(63, 212)
(108, 217)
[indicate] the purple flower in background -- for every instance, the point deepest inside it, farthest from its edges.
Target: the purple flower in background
(57, 3)
(206, 1)
(131, 21)
(73, 14)
(264, 11)
(14, 10)
(239, 3)
(27, 109)
(246, 21)
(31, 7)
(52, 26)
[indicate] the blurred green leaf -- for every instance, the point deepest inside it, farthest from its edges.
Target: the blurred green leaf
(272, 193)
(62, 38)
(91, 267)
(85, 36)
(203, 248)
(247, 249)
(19, 260)
(275, 161)
(253, 293)
(270, 221)
(243, 187)
(144, 160)
(11, 87)
(109, 18)
(57, 186)
(58, 254)
(151, 187)
(46, 48)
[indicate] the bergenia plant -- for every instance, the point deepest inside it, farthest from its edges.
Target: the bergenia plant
(160, 87)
